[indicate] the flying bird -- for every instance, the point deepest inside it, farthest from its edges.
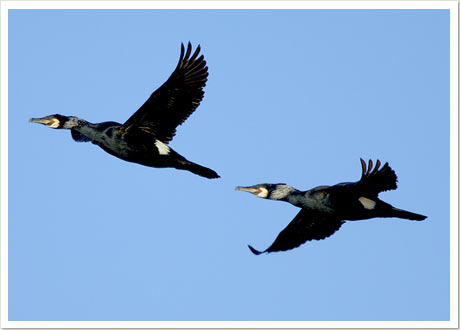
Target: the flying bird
(144, 137)
(325, 208)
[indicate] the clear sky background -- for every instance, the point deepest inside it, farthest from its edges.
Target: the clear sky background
(293, 96)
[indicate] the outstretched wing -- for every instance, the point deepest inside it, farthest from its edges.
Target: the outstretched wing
(172, 103)
(376, 180)
(306, 226)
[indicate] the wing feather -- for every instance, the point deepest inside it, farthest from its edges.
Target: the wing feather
(171, 104)
(306, 226)
(375, 180)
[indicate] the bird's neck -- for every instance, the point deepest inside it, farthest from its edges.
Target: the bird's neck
(283, 193)
(74, 122)
(288, 194)
(297, 198)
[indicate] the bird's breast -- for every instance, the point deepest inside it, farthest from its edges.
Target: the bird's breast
(112, 141)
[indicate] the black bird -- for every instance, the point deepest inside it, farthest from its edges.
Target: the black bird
(324, 208)
(144, 137)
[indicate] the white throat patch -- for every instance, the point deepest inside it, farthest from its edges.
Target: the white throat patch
(163, 149)
(367, 203)
(263, 193)
(54, 123)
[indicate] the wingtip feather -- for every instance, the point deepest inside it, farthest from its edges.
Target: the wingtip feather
(195, 54)
(363, 166)
(256, 252)
(384, 177)
(189, 50)
(376, 168)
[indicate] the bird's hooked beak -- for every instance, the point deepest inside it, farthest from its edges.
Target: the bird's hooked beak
(44, 121)
(257, 190)
(50, 122)
(251, 190)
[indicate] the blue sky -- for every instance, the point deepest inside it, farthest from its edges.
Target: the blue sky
(294, 96)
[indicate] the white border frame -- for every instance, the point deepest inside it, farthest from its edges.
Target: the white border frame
(450, 5)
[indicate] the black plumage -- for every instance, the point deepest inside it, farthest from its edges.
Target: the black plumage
(325, 208)
(144, 137)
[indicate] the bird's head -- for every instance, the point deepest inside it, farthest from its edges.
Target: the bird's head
(267, 190)
(55, 121)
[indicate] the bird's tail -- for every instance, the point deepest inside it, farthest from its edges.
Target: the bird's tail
(198, 169)
(398, 213)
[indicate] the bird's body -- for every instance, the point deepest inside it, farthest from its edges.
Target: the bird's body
(144, 137)
(141, 148)
(325, 208)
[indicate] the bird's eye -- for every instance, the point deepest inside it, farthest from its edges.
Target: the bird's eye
(259, 189)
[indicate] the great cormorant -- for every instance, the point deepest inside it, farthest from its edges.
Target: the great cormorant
(325, 208)
(144, 137)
